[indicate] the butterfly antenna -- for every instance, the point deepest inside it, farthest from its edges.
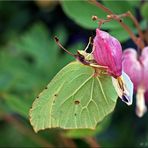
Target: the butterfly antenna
(89, 42)
(60, 45)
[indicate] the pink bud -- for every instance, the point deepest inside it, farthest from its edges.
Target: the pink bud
(132, 66)
(107, 51)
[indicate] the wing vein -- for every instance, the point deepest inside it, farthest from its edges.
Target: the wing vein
(102, 91)
(77, 90)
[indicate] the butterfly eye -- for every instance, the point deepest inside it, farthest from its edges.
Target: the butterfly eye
(80, 56)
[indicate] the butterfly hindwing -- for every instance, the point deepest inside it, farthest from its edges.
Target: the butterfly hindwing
(74, 99)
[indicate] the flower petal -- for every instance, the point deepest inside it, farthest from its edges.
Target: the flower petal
(146, 97)
(107, 51)
(140, 103)
(144, 61)
(125, 92)
(132, 66)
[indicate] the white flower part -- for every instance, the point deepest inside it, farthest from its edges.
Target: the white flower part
(140, 103)
(124, 88)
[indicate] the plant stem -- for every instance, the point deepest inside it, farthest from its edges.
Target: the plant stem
(65, 141)
(133, 18)
(92, 142)
(135, 39)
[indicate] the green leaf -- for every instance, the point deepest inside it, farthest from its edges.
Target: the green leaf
(74, 99)
(17, 75)
(17, 105)
(134, 3)
(144, 10)
(36, 53)
(73, 9)
(143, 24)
(118, 8)
(120, 34)
(123, 36)
(39, 45)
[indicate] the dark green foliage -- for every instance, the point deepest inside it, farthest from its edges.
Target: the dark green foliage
(29, 58)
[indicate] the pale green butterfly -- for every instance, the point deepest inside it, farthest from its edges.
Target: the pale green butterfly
(79, 96)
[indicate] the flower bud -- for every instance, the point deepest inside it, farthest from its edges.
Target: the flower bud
(107, 51)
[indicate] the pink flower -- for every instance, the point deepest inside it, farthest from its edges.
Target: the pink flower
(144, 63)
(137, 68)
(132, 66)
(107, 51)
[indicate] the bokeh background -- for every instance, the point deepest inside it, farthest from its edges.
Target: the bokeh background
(29, 58)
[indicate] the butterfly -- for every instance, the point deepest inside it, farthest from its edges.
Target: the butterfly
(79, 96)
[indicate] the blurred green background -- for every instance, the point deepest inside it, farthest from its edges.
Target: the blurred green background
(29, 58)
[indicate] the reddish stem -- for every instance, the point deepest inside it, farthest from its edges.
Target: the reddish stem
(117, 18)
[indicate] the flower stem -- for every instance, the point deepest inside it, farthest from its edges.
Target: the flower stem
(92, 142)
(136, 40)
(133, 18)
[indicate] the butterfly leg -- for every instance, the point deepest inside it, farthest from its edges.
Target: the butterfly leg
(99, 69)
(98, 66)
